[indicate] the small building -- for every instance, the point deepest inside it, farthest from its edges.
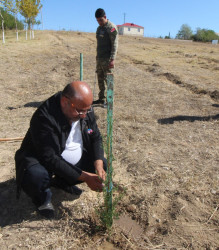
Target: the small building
(130, 29)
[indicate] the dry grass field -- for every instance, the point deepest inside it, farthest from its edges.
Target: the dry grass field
(165, 143)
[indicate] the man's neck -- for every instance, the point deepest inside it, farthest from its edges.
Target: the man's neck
(105, 23)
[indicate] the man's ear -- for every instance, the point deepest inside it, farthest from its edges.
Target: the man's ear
(63, 101)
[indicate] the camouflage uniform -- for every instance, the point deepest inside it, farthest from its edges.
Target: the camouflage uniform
(107, 44)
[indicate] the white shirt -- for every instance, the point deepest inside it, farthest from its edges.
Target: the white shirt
(74, 144)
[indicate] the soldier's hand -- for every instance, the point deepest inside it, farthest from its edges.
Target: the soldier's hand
(111, 64)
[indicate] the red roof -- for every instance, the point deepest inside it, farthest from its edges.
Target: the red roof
(130, 25)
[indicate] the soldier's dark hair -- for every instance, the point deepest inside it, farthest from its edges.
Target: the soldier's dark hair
(100, 13)
(68, 91)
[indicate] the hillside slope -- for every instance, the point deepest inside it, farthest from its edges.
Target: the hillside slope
(166, 143)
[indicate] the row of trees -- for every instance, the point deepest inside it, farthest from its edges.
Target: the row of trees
(201, 35)
(29, 9)
(9, 21)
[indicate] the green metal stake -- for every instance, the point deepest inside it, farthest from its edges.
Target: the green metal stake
(81, 67)
(109, 182)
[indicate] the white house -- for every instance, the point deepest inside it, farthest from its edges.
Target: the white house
(130, 29)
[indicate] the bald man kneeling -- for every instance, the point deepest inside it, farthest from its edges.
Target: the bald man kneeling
(62, 147)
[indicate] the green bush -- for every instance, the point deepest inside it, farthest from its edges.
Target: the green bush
(204, 35)
(201, 35)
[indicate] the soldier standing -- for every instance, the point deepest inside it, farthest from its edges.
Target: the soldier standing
(107, 44)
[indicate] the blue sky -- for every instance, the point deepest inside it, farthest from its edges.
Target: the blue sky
(158, 17)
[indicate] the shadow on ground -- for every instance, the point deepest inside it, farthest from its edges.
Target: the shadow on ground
(215, 105)
(179, 118)
(13, 211)
(27, 105)
(32, 104)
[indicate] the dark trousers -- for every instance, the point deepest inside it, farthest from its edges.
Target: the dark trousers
(102, 69)
(37, 180)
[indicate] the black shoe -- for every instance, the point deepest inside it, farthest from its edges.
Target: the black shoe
(99, 102)
(73, 190)
(59, 183)
(47, 210)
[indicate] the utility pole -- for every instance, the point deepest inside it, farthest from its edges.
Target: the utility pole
(81, 67)
(124, 17)
(42, 18)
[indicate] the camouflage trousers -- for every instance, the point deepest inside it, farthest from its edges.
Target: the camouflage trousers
(102, 69)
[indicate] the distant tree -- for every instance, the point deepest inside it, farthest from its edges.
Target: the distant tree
(9, 21)
(12, 6)
(167, 37)
(185, 32)
(29, 9)
(205, 35)
(38, 23)
(2, 5)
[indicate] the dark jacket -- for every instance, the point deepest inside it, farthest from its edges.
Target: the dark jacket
(45, 141)
(107, 41)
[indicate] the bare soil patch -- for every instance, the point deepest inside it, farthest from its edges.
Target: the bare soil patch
(166, 143)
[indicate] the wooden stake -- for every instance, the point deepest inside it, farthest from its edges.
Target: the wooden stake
(12, 139)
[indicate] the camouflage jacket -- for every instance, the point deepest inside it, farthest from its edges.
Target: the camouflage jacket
(107, 41)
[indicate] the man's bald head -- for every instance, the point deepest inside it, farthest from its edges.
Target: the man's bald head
(80, 92)
(76, 100)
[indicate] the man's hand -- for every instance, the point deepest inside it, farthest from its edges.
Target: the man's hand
(93, 181)
(98, 164)
(111, 64)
